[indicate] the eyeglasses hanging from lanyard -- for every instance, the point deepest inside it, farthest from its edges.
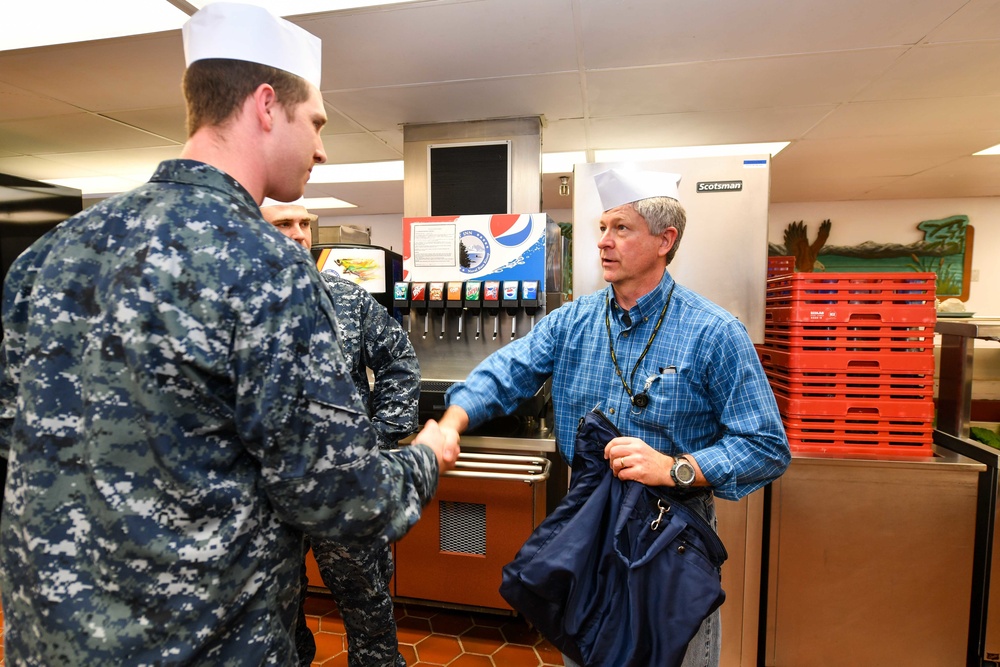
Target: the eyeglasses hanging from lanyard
(641, 399)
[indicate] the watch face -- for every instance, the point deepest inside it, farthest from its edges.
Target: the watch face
(683, 472)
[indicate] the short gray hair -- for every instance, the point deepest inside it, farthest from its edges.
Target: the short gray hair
(660, 214)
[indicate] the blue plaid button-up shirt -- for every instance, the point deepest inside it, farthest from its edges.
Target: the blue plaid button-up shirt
(708, 395)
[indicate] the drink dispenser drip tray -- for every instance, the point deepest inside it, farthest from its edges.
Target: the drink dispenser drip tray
(527, 421)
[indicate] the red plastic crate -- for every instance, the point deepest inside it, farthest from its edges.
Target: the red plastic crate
(791, 405)
(854, 361)
(849, 313)
(866, 437)
(868, 292)
(818, 384)
(780, 265)
(850, 338)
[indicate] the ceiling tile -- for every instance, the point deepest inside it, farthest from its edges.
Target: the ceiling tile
(736, 84)
(444, 42)
(978, 19)
(701, 128)
(123, 73)
(71, 133)
(561, 136)
(973, 176)
(16, 103)
(358, 147)
(614, 34)
(557, 95)
(909, 117)
(940, 71)
(877, 156)
(166, 122)
(138, 162)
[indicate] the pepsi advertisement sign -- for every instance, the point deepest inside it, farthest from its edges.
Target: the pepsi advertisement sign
(475, 247)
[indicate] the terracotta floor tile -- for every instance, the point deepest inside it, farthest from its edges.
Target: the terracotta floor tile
(438, 649)
(451, 623)
(480, 640)
(410, 630)
(469, 660)
(549, 654)
(519, 632)
(512, 655)
(328, 646)
(331, 623)
(409, 653)
(432, 637)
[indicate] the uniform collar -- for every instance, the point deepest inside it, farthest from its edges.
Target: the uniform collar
(648, 305)
(192, 172)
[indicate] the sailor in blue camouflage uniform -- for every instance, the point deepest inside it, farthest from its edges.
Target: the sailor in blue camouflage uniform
(174, 404)
(370, 339)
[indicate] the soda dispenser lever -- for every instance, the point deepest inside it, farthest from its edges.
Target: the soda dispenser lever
(418, 300)
(454, 303)
(435, 301)
(491, 300)
(473, 301)
(401, 301)
(510, 303)
(529, 298)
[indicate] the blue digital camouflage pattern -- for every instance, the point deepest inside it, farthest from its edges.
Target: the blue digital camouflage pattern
(359, 578)
(176, 411)
(371, 338)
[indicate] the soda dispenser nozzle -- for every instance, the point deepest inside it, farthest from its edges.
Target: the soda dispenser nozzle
(491, 300)
(510, 304)
(454, 302)
(529, 298)
(401, 301)
(435, 301)
(418, 300)
(473, 301)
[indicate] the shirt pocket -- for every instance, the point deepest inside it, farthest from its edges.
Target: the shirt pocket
(670, 400)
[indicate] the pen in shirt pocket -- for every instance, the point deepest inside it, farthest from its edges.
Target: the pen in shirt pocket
(668, 370)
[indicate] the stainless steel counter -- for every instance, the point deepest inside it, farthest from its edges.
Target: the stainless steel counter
(958, 349)
(954, 404)
(870, 562)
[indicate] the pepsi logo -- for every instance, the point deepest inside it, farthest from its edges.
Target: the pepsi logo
(510, 230)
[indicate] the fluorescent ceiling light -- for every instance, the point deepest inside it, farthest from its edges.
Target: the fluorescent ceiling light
(362, 172)
(720, 150)
(562, 163)
(992, 150)
(45, 22)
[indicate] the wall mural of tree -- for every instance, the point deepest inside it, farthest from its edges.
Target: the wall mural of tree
(946, 250)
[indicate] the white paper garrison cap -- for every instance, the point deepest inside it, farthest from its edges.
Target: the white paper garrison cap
(246, 32)
(624, 187)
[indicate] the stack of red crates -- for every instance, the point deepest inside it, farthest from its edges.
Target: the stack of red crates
(850, 357)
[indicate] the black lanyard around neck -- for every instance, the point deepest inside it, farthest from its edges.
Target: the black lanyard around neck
(641, 399)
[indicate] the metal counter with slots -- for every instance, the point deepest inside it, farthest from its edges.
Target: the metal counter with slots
(483, 512)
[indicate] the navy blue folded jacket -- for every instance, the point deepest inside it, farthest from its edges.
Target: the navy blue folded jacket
(619, 574)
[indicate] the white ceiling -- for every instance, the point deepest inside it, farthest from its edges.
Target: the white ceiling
(881, 99)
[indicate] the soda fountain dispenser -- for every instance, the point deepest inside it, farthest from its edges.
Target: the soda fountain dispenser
(510, 303)
(529, 299)
(435, 301)
(401, 301)
(454, 305)
(474, 302)
(418, 301)
(491, 301)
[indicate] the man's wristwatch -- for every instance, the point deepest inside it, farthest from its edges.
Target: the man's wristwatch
(682, 472)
